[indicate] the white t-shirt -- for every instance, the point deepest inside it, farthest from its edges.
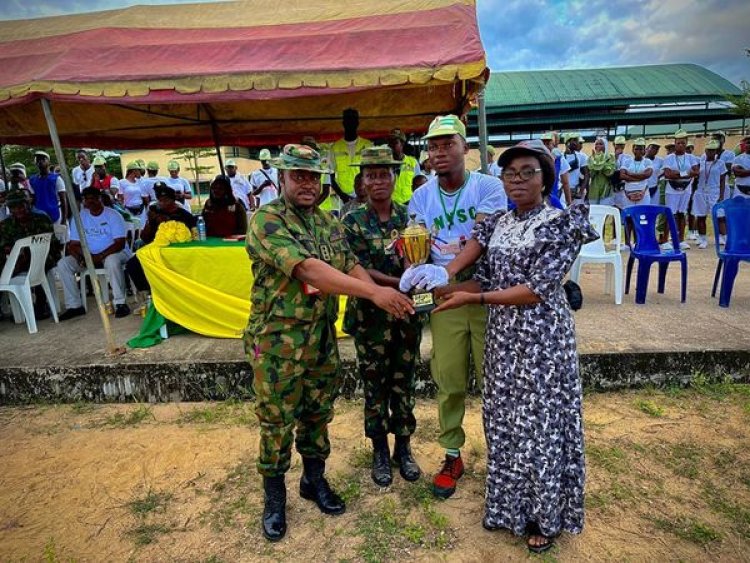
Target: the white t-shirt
(481, 194)
(710, 175)
(564, 169)
(574, 176)
(101, 230)
(681, 164)
(180, 186)
(240, 189)
(656, 163)
(744, 161)
(727, 157)
(493, 169)
(630, 164)
(82, 177)
(259, 177)
(132, 192)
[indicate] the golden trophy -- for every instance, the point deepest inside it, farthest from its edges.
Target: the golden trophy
(415, 243)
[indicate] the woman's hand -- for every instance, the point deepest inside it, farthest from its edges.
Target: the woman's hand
(455, 300)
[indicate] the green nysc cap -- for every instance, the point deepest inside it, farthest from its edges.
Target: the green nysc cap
(300, 157)
(381, 155)
(445, 125)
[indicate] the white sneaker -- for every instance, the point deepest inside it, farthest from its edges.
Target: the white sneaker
(666, 246)
(684, 245)
(722, 240)
(703, 244)
(692, 235)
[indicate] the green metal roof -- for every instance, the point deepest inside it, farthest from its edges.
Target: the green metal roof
(605, 87)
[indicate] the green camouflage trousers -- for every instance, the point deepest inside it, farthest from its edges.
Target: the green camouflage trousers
(291, 393)
(387, 355)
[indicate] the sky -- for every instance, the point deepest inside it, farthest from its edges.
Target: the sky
(562, 34)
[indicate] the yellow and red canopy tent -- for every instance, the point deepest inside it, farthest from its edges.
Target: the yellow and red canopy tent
(244, 72)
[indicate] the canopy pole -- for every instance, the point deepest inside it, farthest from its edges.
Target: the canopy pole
(111, 347)
(482, 131)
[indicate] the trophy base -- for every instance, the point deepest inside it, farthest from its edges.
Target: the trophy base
(424, 301)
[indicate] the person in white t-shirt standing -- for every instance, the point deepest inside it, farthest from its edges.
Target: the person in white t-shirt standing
(652, 153)
(680, 169)
(264, 182)
(132, 192)
(711, 188)
(562, 168)
(105, 233)
(82, 174)
(635, 172)
(579, 169)
(449, 204)
(149, 180)
(180, 185)
(741, 171)
(240, 185)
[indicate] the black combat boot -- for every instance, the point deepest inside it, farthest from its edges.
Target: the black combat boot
(403, 457)
(381, 462)
(314, 486)
(274, 509)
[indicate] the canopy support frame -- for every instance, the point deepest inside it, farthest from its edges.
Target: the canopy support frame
(482, 115)
(90, 268)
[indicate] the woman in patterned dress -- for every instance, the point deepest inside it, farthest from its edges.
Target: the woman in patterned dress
(532, 390)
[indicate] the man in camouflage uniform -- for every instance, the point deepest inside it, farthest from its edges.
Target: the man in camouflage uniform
(300, 262)
(387, 348)
(22, 223)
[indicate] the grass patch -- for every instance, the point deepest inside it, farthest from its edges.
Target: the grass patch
(230, 412)
(650, 408)
(145, 534)
(347, 486)
(361, 457)
(51, 555)
(689, 529)
(152, 502)
(734, 512)
(683, 459)
(80, 407)
(616, 494)
(131, 418)
(235, 495)
(611, 458)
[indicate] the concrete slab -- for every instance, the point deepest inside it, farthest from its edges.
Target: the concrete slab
(662, 326)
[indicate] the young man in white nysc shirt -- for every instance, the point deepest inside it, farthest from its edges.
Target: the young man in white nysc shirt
(449, 204)
(680, 169)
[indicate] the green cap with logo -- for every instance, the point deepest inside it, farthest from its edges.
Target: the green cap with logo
(446, 125)
(173, 165)
(264, 154)
(152, 165)
(300, 157)
(99, 161)
(713, 144)
(619, 140)
(381, 155)
(639, 142)
(132, 165)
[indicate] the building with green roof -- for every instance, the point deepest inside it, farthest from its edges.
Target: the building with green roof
(521, 104)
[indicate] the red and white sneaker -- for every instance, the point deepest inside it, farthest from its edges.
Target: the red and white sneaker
(444, 483)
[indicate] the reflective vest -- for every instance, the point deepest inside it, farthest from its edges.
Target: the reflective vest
(344, 172)
(402, 191)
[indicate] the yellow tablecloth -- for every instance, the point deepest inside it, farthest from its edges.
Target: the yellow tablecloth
(204, 286)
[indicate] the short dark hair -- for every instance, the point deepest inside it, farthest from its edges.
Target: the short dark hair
(90, 191)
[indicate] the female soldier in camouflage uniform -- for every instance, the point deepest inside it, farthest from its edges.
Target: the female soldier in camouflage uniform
(387, 347)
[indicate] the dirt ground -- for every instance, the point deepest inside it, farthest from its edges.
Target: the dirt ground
(668, 480)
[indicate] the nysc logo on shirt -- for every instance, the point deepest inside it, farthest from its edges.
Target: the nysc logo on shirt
(461, 216)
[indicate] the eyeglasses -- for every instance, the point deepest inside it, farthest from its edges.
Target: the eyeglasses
(444, 147)
(525, 174)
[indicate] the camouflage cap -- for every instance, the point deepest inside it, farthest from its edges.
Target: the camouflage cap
(713, 144)
(99, 161)
(446, 125)
(16, 197)
(152, 165)
(639, 142)
(300, 157)
(173, 165)
(398, 134)
(381, 155)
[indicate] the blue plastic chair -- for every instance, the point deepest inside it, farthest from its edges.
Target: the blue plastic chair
(641, 221)
(737, 247)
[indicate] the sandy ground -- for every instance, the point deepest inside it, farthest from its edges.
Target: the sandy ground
(668, 480)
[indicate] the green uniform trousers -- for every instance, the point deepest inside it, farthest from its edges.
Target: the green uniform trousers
(291, 393)
(387, 354)
(457, 337)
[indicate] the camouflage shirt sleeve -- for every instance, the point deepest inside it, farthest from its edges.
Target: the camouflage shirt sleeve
(355, 238)
(270, 241)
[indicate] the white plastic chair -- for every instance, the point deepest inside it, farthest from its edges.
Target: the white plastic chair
(20, 286)
(596, 252)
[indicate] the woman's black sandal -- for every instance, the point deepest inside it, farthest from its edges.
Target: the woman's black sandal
(532, 529)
